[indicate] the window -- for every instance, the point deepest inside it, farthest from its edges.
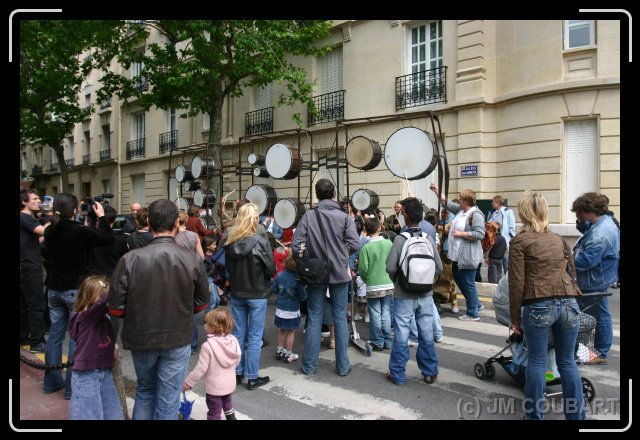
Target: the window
(137, 128)
(206, 122)
(425, 47)
(87, 142)
(330, 67)
(264, 96)
(106, 137)
(171, 119)
(72, 188)
(578, 33)
(86, 189)
(70, 148)
(106, 186)
(581, 159)
(137, 183)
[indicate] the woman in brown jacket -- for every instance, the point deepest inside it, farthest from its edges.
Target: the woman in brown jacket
(539, 281)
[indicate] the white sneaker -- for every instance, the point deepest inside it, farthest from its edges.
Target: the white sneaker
(291, 357)
(455, 310)
(412, 343)
(325, 334)
(468, 318)
(366, 318)
(358, 317)
(438, 339)
(480, 307)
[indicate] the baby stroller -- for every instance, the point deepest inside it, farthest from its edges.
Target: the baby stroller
(515, 365)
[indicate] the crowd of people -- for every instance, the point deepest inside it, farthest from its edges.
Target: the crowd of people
(101, 283)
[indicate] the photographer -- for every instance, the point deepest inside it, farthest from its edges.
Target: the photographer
(69, 246)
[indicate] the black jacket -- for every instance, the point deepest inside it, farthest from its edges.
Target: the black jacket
(157, 289)
(106, 258)
(251, 266)
(499, 248)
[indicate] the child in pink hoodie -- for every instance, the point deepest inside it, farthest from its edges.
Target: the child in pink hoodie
(219, 355)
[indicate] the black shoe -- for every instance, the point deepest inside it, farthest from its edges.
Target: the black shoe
(38, 348)
(377, 347)
(230, 416)
(345, 374)
(257, 382)
(264, 342)
(239, 378)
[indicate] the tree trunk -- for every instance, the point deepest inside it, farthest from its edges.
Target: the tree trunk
(62, 166)
(215, 149)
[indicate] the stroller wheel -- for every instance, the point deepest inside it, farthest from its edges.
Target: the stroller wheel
(588, 389)
(480, 371)
(491, 371)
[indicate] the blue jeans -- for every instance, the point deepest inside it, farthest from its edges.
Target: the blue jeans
(466, 281)
(437, 323)
(604, 327)
(560, 317)
(338, 293)
(195, 338)
(422, 308)
(380, 324)
(160, 377)
(413, 329)
(61, 309)
(214, 298)
(248, 319)
(94, 396)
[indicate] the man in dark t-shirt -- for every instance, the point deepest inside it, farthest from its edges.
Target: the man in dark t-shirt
(32, 305)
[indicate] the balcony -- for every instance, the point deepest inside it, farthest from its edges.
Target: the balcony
(421, 88)
(330, 106)
(36, 170)
(135, 148)
(168, 141)
(105, 104)
(71, 162)
(258, 122)
(86, 158)
(141, 83)
(53, 168)
(105, 154)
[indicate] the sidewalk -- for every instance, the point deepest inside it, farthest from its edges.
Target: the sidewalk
(34, 404)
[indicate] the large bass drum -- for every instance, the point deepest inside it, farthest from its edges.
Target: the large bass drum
(363, 153)
(184, 203)
(409, 153)
(202, 167)
(283, 161)
(363, 199)
(183, 173)
(288, 212)
(263, 196)
(205, 198)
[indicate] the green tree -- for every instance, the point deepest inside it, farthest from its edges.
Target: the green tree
(200, 62)
(51, 75)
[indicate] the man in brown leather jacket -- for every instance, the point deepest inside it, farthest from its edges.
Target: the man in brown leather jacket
(157, 289)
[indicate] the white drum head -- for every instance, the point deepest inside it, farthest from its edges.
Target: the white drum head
(196, 167)
(182, 203)
(361, 199)
(409, 151)
(198, 197)
(285, 213)
(255, 159)
(278, 160)
(258, 196)
(180, 173)
(359, 152)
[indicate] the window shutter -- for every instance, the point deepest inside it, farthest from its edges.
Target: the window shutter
(264, 96)
(581, 159)
(331, 71)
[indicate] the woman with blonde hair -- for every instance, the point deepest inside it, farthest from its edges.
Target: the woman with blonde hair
(250, 264)
(539, 262)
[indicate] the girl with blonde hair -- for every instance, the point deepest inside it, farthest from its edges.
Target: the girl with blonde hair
(249, 261)
(539, 282)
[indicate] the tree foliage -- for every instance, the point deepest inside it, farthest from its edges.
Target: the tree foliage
(51, 76)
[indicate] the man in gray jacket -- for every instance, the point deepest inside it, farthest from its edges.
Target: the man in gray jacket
(157, 289)
(333, 243)
(408, 305)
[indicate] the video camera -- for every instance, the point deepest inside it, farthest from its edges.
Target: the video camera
(87, 205)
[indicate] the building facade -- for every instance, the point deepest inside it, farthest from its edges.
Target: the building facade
(522, 105)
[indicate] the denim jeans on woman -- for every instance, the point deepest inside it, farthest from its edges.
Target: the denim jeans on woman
(61, 310)
(466, 281)
(560, 317)
(338, 293)
(422, 308)
(160, 375)
(94, 396)
(248, 328)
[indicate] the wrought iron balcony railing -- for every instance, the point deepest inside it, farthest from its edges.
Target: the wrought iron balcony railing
(71, 162)
(168, 141)
(330, 106)
(135, 148)
(420, 88)
(105, 104)
(141, 83)
(259, 121)
(35, 170)
(53, 168)
(105, 154)
(86, 158)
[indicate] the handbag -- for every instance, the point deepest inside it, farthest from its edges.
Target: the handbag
(311, 271)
